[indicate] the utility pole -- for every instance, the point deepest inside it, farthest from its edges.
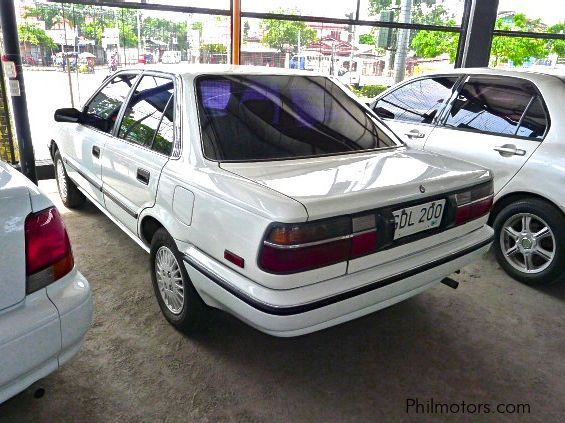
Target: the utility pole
(402, 43)
(17, 89)
(138, 33)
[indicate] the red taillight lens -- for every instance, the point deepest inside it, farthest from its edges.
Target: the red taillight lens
(48, 250)
(474, 203)
(292, 260)
(300, 247)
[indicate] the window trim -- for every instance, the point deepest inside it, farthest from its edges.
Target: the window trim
(466, 77)
(116, 129)
(442, 109)
(383, 127)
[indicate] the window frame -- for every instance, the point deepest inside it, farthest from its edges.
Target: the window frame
(382, 126)
(176, 150)
(403, 84)
(465, 77)
(104, 84)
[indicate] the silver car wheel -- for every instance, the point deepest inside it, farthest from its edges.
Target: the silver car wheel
(61, 179)
(527, 242)
(169, 280)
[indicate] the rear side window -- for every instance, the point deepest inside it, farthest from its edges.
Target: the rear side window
(102, 111)
(534, 122)
(266, 117)
(417, 101)
(496, 105)
(148, 118)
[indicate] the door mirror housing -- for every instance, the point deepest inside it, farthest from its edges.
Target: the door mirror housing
(70, 115)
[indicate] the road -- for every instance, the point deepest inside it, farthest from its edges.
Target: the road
(49, 90)
(491, 341)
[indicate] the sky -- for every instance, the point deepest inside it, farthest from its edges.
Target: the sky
(550, 11)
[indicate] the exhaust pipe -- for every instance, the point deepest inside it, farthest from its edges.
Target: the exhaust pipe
(450, 283)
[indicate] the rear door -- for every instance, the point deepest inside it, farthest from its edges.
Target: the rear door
(84, 151)
(412, 109)
(496, 122)
(134, 157)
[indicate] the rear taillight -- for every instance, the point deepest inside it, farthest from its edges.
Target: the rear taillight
(474, 203)
(48, 251)
(292, 248)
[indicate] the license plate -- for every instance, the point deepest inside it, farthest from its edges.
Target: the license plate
(418, 218)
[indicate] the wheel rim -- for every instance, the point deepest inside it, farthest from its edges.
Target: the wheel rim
(169, 280)
(527, 243)
(61, 180)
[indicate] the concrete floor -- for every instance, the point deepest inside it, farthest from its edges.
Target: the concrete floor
(491, 341)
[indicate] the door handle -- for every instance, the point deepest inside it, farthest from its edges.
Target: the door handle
(96, 151)
(414, 133)
(508, 150)
(143, 176)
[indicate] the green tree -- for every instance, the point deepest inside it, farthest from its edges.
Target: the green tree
(504, 49)
(434, 43)
(367, 39)
(517, 49)
(376, 6)
(214, 48)
(246, 28)
(557, 46)
(280, 34)
(31, 34)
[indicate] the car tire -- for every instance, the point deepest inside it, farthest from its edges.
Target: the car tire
(179, 302)
(524, 249)
(68, 191)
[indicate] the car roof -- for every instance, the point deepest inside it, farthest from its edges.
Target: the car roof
(193, 70)
(533, 74)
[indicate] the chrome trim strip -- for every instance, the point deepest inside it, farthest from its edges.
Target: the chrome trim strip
(314, 243)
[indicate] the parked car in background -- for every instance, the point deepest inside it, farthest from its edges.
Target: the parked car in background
(45, 303)
(271, 194)
(171, 56)
(513, 123)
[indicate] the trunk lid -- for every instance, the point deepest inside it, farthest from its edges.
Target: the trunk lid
(15, 205)
(337, 185)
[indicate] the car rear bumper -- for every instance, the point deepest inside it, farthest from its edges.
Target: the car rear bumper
(42, 332)
(298, 311)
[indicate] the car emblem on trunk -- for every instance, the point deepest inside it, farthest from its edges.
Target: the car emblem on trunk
(422, 189)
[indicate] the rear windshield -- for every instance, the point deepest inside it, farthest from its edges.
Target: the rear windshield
(270, 117)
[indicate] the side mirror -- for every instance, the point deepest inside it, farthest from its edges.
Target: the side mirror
(69, 115)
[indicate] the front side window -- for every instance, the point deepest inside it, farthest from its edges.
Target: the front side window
(102, 111)
(417, 101)
(148, 118)
(496, 105)
(266, 117)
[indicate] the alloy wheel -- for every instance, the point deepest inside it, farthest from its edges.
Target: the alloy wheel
(169, 280)
(527, 243)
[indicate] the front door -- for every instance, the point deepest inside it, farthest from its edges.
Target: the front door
(411, 109)
(85, 148)
(495, 122)
(132, 163)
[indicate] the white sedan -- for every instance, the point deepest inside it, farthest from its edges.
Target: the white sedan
(511, 122)
(45, 303)
(273, 195)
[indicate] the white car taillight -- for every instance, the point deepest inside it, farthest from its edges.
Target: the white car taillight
(291, 248)
(48, 250)
(474, 203)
